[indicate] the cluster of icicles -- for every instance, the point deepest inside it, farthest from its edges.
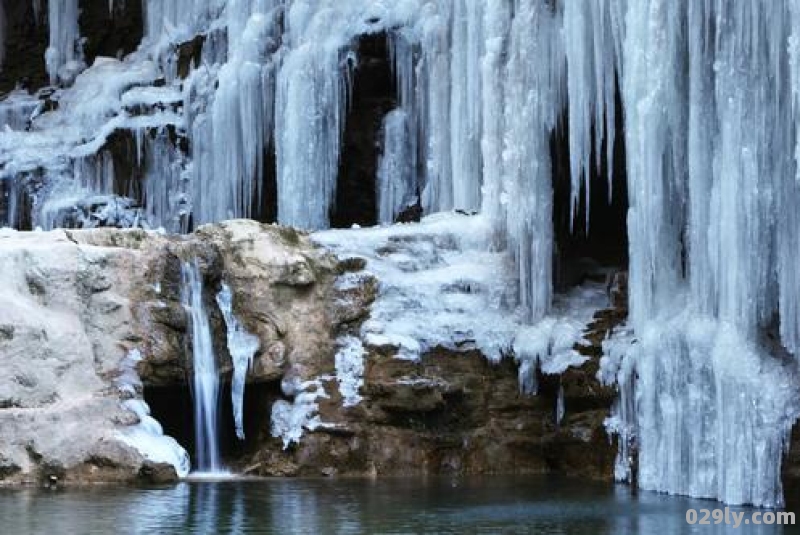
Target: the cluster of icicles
(711, 97)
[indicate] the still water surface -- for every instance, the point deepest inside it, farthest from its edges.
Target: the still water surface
(287, 506)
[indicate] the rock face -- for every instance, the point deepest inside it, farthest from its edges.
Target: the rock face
(77, 303)
(67, 322)
(448, 413)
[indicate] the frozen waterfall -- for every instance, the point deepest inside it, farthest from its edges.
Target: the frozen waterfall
(707, 365)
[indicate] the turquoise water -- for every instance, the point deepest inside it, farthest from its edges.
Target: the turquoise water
(286, 506)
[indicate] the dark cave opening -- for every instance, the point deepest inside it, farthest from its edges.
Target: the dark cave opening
(25, 41)
(374, 94)
(172, 407)
(106, 30)
(111, 30)
(581, 252)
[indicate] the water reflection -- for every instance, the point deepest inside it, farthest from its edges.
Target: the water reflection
(487, 505)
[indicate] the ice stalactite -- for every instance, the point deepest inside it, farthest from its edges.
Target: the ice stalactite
(434, 106)
(312, 95)
(497, 23)
(532, 97)
(710, 168)
(179, 19)
(560, 405)
(232, 137)
(349, 360)
(64, 55)
(465, 103)
(37, 10)
(242, 346)
(591, 44)
(788, 201)
(16, 110)
(290, 420)
(395, 175)
(165, 200)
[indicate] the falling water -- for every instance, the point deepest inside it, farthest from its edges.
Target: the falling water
(206, 376)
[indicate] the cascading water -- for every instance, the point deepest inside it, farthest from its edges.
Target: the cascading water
(205, 381)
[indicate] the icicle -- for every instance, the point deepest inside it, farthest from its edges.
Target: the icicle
(16, 110)
(242, 346)
(789, 199)
(37, 10)
(466, 45)
(395, 177)
(560, 408)
(704, 423)
(496, 28)
(532, 98)
(230, 112)
(591, 59)
(311, 104)
(165, 198)
(434, 101)
(64, 56)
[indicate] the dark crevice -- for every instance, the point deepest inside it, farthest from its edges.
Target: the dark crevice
(374, 94)
(579, 251)
(16, 206)
(265, 205)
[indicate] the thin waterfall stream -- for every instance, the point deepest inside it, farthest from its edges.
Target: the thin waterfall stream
(205, 380)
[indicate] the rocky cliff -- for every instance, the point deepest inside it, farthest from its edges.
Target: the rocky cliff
(92, 321)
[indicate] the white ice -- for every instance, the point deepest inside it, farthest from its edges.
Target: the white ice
(242, 346)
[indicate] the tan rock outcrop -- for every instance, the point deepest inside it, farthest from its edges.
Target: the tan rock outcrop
(75, 303)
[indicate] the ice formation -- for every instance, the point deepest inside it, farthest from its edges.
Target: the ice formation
(205, 376)
(64, 56)
(242, 346)
(290, 419)
(395, 180)
(713, 191)
(147, 436)
(350, 369)
(710, 92)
